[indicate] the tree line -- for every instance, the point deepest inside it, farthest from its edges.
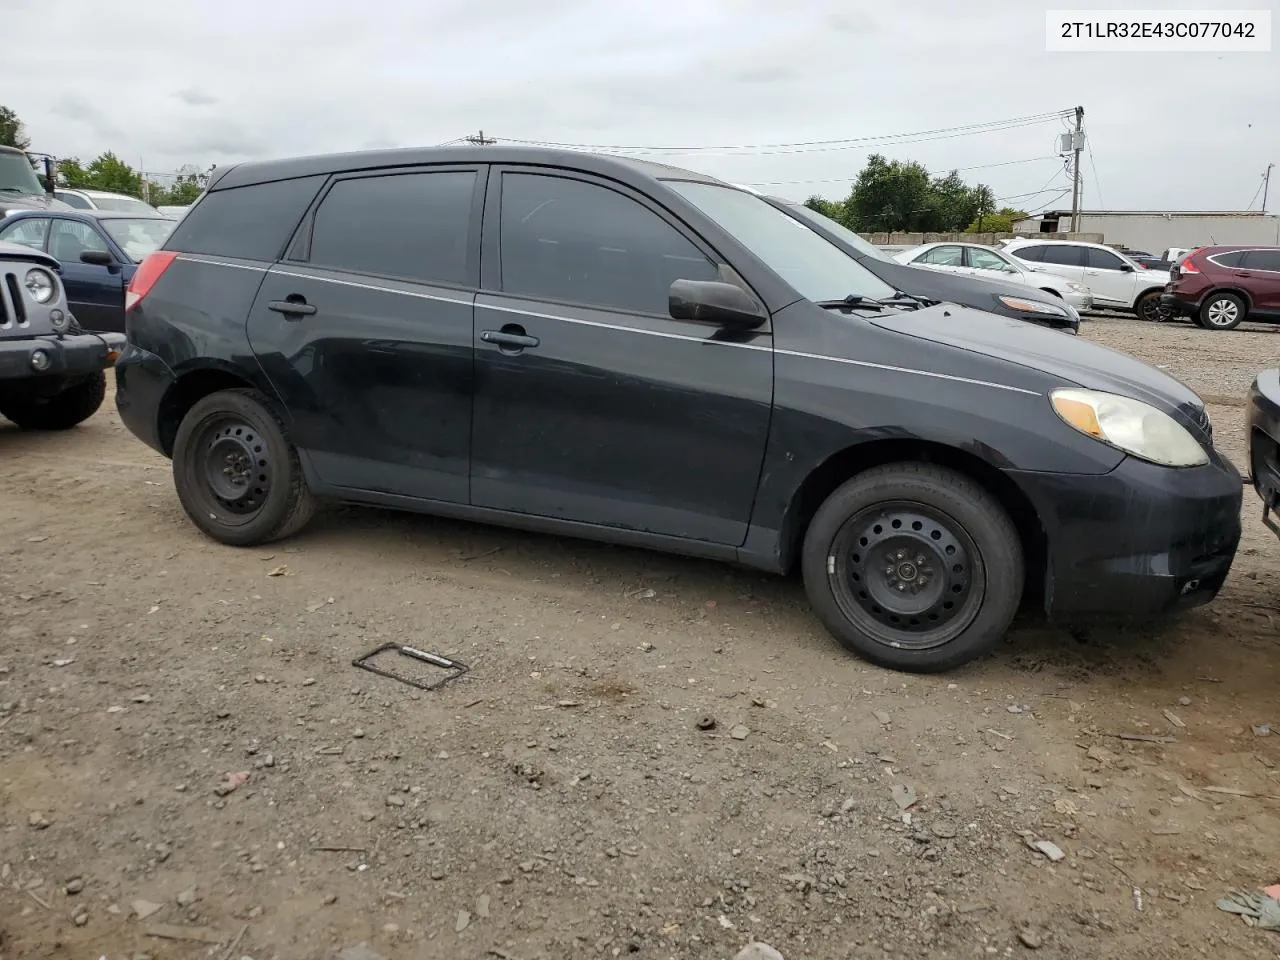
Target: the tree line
(108, 172)
(900, 196)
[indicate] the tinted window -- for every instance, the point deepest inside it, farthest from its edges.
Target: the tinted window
(568, 240)
(253, 222)
(1064, 256)
(942, 257)
(74, 200)
(411, 225)
(1102, 259)
(1035, 254)
(1263, 260)
(1233, 259)
(29, 233)
(70, 238)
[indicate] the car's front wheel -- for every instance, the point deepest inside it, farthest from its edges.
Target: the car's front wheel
(69, 407)
(913, 566)
(1222, 311)
(237, 472)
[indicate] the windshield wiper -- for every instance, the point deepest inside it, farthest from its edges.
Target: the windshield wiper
(13, 190)
(850, 302)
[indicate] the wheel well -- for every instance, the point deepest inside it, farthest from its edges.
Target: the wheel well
(848, 463)
(1146, 293)
(183, 395)
(1235, 291)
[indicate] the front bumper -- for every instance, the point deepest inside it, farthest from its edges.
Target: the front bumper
(70, 355)
(1081, 301)
(1139, 541)
(1264, 444)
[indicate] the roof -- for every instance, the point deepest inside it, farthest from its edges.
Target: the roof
(263, 171)
(1050, 214)
(72, 213)
(98, 193)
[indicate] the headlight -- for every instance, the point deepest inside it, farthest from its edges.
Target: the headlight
(41, 285)
(1033, 306)
(1130, 425)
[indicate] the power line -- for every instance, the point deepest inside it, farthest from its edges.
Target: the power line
(1249, 205)
(979, 166)
(1097, 185)
(1035, 193)
(809, 146)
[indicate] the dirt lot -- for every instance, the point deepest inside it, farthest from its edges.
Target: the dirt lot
(561, 802)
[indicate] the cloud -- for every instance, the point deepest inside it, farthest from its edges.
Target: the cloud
(198, 87)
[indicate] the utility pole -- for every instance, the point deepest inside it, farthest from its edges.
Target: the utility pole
(480, 140)
(1266, 186)
(1078, 145)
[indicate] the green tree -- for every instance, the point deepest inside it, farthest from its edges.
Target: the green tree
(12, 132)
(900, 195)
(997, 221)
(109, 172)
(71, 173)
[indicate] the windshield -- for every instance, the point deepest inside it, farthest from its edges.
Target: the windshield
(137, 238)
(16, 175)
(815, 267)
(840, 230)
(123, 205)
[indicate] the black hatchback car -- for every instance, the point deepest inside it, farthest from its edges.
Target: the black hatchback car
(636, 353)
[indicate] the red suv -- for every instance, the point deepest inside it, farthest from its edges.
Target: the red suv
(1222, 286)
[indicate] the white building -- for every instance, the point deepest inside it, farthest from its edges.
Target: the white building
(1154, 231)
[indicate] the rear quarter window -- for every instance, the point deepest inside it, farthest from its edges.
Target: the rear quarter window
(251, 223)
(1232, 258)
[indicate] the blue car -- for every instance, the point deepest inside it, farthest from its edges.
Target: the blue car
(98, 250)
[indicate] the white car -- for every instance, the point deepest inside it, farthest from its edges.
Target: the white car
(1116, 281)
(987, 263)
(104, 200)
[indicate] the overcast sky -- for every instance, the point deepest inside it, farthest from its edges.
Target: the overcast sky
(165, 83)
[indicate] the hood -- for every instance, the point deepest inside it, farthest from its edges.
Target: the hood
(1078, 361)
(17, 252)
(16, 202)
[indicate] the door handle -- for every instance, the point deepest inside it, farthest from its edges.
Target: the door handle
(293, 307)
(511, 336)
(1243, 273)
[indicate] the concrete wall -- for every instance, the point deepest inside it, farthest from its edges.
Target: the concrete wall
(1156, 232)
(905, 241)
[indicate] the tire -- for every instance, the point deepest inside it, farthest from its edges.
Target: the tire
(1148, 307)
(1222, 311)
(265, 497)
(933, 515)
(72, 406)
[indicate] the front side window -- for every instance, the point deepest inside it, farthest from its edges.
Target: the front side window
(30, 232)
(948, 256)
(1064, 255)
(415, 226)
(70, 238)
(813, 266)
(568, 240)
(1103, 259)
(987, 260)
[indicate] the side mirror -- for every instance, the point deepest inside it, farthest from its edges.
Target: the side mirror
(1126, 268)
(724, 305)
(99, 258)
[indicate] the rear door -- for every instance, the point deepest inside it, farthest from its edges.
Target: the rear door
(95, 292)
(364, 329)
(593, 404)
(1064, 260)
(1261, 273)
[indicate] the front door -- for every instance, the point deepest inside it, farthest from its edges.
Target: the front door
(95, 292)
(1111, 279)
(988, 265)
(365, 332)
(947, 258)
(592, 404)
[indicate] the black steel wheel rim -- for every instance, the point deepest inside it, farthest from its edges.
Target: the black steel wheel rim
(233, 469)
(907, 575)
(1152, 310)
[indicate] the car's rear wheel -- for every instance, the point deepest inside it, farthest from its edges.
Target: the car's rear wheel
(913, 566)
(1222, 311)
(236, 471)
(69, 407)
(1148, 307)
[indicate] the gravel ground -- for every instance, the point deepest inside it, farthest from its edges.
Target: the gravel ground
(191, 767)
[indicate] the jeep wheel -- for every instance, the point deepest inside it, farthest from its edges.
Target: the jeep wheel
(236, 471)
(914, 567)
(69, 407)
(1222, 311)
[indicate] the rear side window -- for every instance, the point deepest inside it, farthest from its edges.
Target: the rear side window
(29, 232)
(409, 225)
(1262, 260)
(578, 242)
(1233, 258)
(1064, 256)
(1035, 254)
(252, 223)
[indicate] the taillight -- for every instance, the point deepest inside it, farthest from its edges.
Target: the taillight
(148, 272)
(1188, 265)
